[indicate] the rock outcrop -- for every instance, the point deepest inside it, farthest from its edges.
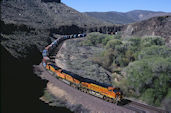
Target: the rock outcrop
(156, 26)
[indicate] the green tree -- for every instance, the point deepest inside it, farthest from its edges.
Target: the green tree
(149, 41)
(149, 78)
(112, 43)
(152, 51)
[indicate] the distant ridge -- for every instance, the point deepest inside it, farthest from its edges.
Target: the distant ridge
(127, 17)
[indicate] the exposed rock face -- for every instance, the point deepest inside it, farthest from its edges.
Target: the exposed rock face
(21, 40)
(157, 26)
(44, 15)
(58, 1)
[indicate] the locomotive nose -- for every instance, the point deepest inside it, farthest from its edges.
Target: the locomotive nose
(119, 95)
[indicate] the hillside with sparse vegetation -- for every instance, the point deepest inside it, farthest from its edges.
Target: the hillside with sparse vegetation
(141, 67)
(45, 15)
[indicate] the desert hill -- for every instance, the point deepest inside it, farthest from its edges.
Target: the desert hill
(127, 17)
(44, 14)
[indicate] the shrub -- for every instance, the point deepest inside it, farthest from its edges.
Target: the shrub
(151, 73)
(96, 38)
(149, 52)
(87, 43)
(135, 41)
(148, 96)
(112, 43)
(106, 39)
(117, 36)
(159, 89)
(149, 41)
(168, 96)
(107, 58)
(145, 64)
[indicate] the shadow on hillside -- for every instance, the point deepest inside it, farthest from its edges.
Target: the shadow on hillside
(21, 88)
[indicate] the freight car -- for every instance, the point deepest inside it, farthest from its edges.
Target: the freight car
(104, 91)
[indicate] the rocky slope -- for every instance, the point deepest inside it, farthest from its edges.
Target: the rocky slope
(78, 59)
(21, 40)
(41, 14)
(29, 23)
(125, 18)
(156, 26)
(34, 20)
(25, 29)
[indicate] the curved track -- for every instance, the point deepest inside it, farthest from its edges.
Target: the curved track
(141, 108)
(127, 104)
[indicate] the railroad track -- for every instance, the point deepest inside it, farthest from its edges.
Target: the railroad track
(148, 107)
(141, 108)
(128, 104)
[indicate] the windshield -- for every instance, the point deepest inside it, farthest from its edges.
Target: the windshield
(116, 90)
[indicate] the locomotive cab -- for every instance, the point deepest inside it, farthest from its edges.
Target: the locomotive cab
(118, 93)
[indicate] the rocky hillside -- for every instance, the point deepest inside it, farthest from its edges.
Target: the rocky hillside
(44, 14)
(156, 26)
(26, 23)
(26, 28)
(75, 57)
(21, 40)
(125, 18)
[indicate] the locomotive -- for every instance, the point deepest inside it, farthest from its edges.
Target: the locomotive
(101, 90)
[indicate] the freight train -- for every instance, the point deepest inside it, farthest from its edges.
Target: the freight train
(101, 90)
